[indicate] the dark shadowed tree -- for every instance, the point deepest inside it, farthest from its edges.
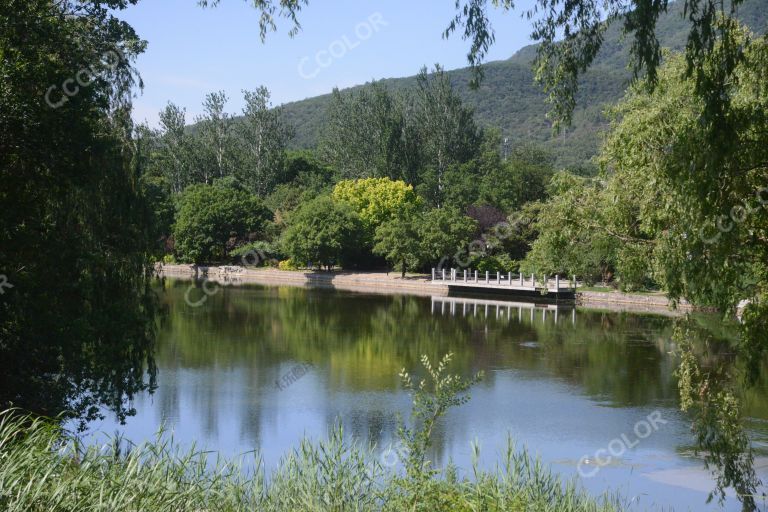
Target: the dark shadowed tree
(77, 326)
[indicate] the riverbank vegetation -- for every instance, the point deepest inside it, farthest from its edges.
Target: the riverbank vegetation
(680, 205)
(336, 474)
(399, 177)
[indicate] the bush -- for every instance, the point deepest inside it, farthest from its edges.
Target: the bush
(288, 264)
(502, 263)
(258, 254)
(170, 259)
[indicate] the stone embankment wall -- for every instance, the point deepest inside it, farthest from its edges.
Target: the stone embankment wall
(382, 282)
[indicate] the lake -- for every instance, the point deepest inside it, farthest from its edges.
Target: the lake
(592, 393)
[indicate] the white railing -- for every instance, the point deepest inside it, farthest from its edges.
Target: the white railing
(473, 278)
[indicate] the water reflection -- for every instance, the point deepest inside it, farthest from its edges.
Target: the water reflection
(500, 309)
(565, 382)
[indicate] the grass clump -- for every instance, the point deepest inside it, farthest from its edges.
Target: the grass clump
(42, 468)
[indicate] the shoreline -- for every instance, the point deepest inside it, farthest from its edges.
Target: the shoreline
(392, 283)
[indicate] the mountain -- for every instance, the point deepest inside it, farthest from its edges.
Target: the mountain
(509, 99)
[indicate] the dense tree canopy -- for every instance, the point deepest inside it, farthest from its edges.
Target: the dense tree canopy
(366, 134)
(322, 232)
(77, 327)
(212, 220)
(398, 239)
(376, 200)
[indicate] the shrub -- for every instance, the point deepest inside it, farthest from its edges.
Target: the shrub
(288, 264)
(502, 263)
(259, 253)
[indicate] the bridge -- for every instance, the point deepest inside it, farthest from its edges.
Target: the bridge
(552, 287)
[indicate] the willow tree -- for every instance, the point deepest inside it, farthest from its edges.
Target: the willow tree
(77, 326)
(701, 184)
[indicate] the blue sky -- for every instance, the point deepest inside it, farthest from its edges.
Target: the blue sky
(193, 51)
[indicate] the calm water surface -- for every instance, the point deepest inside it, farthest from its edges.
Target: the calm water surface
(565, 383)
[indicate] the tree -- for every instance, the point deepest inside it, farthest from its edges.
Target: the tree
(175, 156)
(77, 326)
(521, 178)
(365, 135)
(702, 191)
(398, 240)
(572, 239)
(322, 232)
(447, 131)
(214, 143)
(376, 200)
(214, 219)
(444, 233)
(263, 137)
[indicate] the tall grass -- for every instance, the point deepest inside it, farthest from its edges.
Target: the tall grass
(42, 468)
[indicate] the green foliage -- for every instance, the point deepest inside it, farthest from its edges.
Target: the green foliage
(521, 178)
(446, 128)
(376, 200)
(249, 149)
(214, 144)
(398, 240)
(698, 185)
(258, 253)
(76, 234)
(366, 134)
(155, 191)
(262, 137)
(445, 233)
(322, 232)
(45, 468)
(572, 239)
(716, 410)
(213, 219)
(501, 263)
(173, 156)
(431, 397)
(288, 264)
(304, 169)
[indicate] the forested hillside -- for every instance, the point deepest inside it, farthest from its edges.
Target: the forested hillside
(510, 100)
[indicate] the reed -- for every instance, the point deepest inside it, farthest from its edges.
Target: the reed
(43, 468)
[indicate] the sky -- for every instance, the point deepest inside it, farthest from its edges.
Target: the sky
(193, 51)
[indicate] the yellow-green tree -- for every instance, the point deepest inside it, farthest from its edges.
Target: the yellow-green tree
(376, 200)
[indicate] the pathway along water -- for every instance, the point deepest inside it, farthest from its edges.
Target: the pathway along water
(257, 367)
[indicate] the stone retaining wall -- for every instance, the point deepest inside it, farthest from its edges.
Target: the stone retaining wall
(377, 282)
(380, 282)
(649, 302)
